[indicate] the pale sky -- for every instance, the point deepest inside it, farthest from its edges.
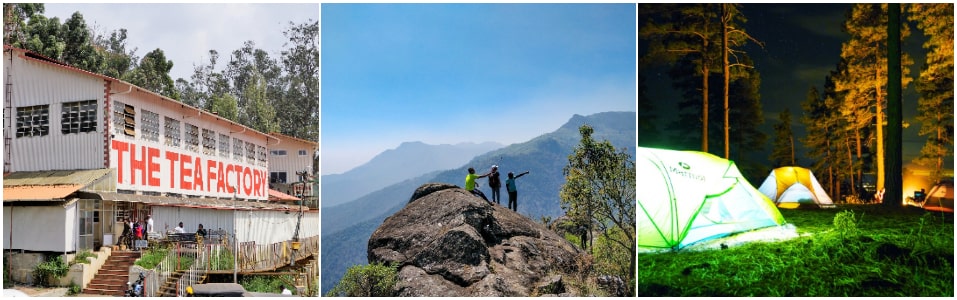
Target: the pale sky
(186, 32)
(452, 73)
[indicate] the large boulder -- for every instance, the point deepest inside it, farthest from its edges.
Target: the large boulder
(448, 242)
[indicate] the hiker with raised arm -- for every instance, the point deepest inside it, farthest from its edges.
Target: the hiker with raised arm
(513, 190)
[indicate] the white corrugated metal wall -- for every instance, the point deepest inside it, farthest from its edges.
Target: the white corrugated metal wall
(37, 84)
(24, 225)
(261, 226)
(165, 218)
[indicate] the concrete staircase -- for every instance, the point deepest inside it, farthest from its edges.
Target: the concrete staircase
(168, 289)
(111, 279)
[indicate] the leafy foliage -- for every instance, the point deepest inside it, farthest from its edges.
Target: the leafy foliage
(83, 257)
(600, 191)
(373, 280)
(935, 84)
(782, 154)
(267, 284)
(53, 267)
(152, 257)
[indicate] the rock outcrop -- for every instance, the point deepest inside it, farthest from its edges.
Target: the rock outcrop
(448, 242)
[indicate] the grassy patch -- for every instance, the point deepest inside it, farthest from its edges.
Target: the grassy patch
(851, 251)
(152, 257)
(83, 257)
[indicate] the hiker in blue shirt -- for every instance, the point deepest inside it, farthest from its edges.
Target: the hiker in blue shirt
(512, 190)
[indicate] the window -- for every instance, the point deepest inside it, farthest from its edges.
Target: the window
(237, 149)
(302, 153)
(33, 120)
(261, 155)
(223, 145)
(209, 142)
(192, 137)
(277, 177)
(172, 131)
(79, 116)
(124, 118)
(250, 153)
(278, 152)
(151, 126)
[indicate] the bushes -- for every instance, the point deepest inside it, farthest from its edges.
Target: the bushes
(152, 257)
(54, 267)
(373, 280)
(83, 257)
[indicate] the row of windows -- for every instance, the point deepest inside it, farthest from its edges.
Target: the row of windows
(283, 152)
(81, 116)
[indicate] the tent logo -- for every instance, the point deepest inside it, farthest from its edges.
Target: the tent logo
(686, 172)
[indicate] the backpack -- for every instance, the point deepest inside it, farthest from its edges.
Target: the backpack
(493, 180)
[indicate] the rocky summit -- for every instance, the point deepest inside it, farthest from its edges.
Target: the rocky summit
(448, 242)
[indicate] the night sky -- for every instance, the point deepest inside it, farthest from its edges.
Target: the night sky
(802, 44)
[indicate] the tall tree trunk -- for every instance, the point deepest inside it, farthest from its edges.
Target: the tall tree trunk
(725, 18)
(894, 115)
(880, 133)
(791, 138)
(850, 161)
(859, 167)
(704, 110)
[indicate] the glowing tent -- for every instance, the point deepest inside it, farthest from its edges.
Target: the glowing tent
(686, 197)
(790, 187)
(940, 197)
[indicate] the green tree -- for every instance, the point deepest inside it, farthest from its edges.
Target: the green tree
(223, 105)
(118, 62)
(865, 79)
(935, 85)
(733, 38)
(821, 122)
(300, 98)
(684, 32)
(600, 193)
(42, 35)
(152, 73)
(15, 19)
(372, 280)
(79, 51)
(258, 113)
(783, 152)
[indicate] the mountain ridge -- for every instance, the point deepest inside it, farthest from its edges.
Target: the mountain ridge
(544, 156)
(408, 160)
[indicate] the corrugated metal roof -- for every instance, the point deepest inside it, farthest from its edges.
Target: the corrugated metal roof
(52, 178)
(48, 185)
(38, 192)
(275, 195)
(195, 202)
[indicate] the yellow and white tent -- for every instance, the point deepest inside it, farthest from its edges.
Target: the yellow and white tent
(790, 187)
(686, 196)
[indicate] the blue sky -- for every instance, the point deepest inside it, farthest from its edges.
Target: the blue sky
(452, 73)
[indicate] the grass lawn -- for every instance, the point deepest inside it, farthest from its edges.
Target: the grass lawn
(851, 250)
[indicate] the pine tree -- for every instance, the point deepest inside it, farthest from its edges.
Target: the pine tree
(865, 78)
(686, 33)
(936, 84)
(783, 152)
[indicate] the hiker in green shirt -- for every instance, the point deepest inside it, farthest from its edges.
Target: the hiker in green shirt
(470, 184)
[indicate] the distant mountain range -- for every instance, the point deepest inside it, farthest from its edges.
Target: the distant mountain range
(409, 160)
(346, 228)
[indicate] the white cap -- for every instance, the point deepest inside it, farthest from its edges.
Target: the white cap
(494, 167)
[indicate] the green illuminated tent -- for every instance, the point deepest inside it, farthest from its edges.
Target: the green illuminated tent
(686, 197)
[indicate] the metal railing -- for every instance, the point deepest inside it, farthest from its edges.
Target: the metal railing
(219, 257)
